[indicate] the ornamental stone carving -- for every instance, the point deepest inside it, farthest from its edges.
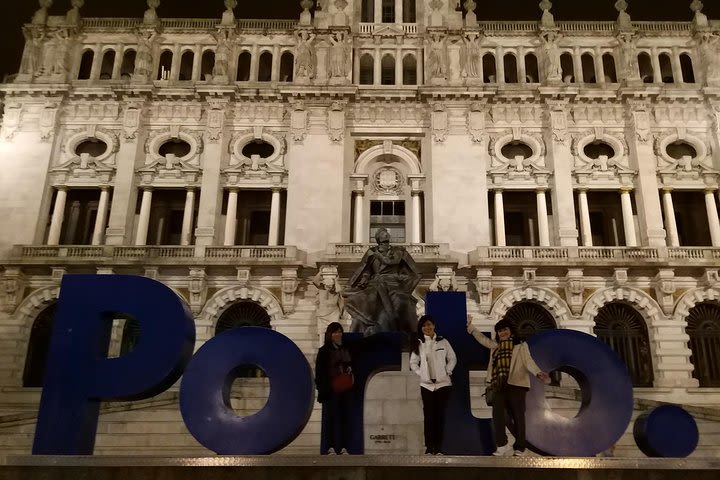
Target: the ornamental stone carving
(476, 121)
(338, 64)
(471, 57)
(336, 121)
(298, 122)
(440, 123)
(484, 285)
(305, 57)
(444, 280)
(665, 290)
(575, 290)
(388, 181)
(437, 61)
(551, 55)
(289, 285)
(197, 288)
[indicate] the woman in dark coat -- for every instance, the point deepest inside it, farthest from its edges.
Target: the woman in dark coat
(333, 359)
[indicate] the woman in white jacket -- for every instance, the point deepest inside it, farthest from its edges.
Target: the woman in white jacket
(433, 360)
(509, 369)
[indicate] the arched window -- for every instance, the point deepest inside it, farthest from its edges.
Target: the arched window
(532, 72)
(528, 319)
(38, 347)
(646, 69)
(186, 66)
(624, 330)
(243, 69)
(588, 68)
(165, 65)
(568, 68)
(387, 70)
(609, 68)
(489, 69)
(666, 71)
(127, 69)
(108, 65)
(367, 15)
(265, 67)
(686, 66)
(410, 70)
(704, 331)
(287, 62)
(207, 64)
(244, 314)
(510, 68)
(86, 63)
(367, 76)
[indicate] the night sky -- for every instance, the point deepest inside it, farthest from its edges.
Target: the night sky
(18, 12)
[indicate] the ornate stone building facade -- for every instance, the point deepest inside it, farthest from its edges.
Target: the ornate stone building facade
(563, 174)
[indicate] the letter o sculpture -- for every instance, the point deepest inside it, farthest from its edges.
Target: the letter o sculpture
(606, 391)
(205, 389)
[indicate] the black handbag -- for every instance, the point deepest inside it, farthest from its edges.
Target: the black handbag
(491, 392)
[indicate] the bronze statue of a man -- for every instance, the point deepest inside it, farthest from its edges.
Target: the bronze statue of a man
(379, 297)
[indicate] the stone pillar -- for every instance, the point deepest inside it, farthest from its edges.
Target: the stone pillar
(197, 64)
(359, 236)
(670, 224)
(577, 66)
(543, 227)
(585, 229)
(398, 67)
(188, 216)
(416, 217)
(143, 223)
(499, 65)
(676, 68)
(211, 192)
(398, 11)
(419, 66)
(628, 221)
(275, 73)
(231, 217)
(117, 66)
(97, 62)
(176, 62)
(560, 161)
(101, 218)
(655, 60)
(273, 238)
(639, 139)
(378, 11)
(57, 217)
(499, 219)
(522, 72)
(254, 64)
(125, 191)
(377, 67)
(712, 214)
(599, 67)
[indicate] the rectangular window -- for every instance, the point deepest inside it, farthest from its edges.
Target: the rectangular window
(388, 11)
(388, 214)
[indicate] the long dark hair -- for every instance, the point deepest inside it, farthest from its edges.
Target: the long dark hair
(513, 332)
(420, 336)
(332, 328)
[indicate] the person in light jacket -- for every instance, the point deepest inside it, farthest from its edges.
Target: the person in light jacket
(433, 360)
(509, 368)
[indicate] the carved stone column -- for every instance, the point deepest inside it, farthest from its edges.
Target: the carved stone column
(144, 221)
(58, 216)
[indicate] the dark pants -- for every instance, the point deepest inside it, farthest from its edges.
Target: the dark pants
(336, 419)
(510, 400)
(434, 405)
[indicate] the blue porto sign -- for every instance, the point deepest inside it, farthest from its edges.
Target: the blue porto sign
(79, 377)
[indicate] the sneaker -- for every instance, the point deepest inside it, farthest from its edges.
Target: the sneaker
(343, 451)
(504, 450)
(519, 453)
(331, 451)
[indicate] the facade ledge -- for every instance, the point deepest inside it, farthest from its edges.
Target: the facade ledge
(108, 256)
(681, 256)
